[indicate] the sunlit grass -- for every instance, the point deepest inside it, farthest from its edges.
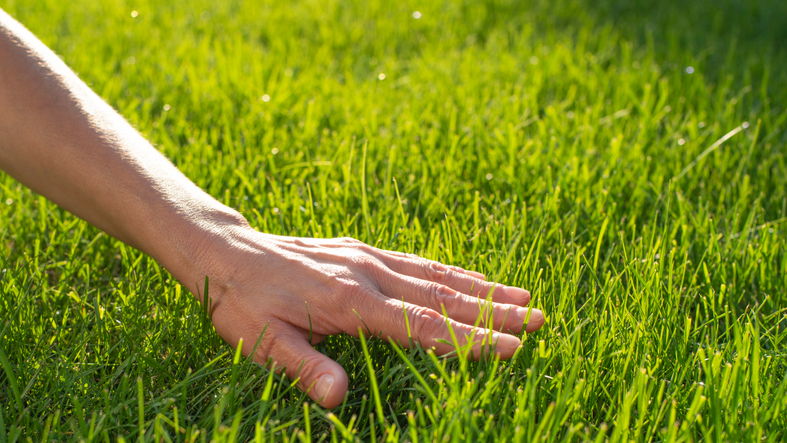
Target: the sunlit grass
(565, 147)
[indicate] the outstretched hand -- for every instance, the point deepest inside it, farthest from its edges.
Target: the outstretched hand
(58, 137)
(297, 289)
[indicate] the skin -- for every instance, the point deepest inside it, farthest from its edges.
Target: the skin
(63, 141)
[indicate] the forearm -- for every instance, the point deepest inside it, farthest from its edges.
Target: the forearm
(60, 139)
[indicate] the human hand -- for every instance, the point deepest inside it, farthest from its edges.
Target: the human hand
(62, 140)
(297, 288)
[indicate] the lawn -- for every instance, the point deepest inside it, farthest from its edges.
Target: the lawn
(622, 160)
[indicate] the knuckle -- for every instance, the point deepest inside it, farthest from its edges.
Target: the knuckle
(371, 251)
(304, 368)
(349, 294)
(349, 288)
(492, 314)
(349, 241)
(366, 262)
(480, 289)
(352, 295)
(457, 269)
(426, 324)
(265, 350)
(368, 250)
(438, 296)
(436, 272)
(276, 353)
(406, 255)
(503, 313)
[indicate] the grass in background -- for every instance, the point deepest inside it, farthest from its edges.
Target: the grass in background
(624, 162)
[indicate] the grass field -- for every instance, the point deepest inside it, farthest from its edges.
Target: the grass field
(623, 161)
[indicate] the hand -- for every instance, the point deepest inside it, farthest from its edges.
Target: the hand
(286, 286)
(62, 140)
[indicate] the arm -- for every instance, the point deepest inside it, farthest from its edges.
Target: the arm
(60, 139)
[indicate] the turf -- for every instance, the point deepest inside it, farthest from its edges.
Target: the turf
(624, 161)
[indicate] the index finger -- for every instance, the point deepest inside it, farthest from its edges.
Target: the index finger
(437, 272)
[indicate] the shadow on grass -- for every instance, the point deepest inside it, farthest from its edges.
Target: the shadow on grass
(721, 37)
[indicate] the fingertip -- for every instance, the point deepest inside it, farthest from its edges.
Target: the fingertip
(535, 321)
(516, 295)
(495, 343)
(505, 344)
(321, 378)
(329, 388)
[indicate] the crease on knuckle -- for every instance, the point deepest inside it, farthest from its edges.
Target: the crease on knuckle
(503, 314)
(493, 314)
(439, 296)
(360, 246)
(264, 352)
(304, 369)
(480, 289)
(348, 240)
(363, 249)
(274, 349)
(426, 325)
(437, 272)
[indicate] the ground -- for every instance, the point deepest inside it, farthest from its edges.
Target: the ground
(623, 161)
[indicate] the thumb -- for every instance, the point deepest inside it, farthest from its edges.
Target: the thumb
(324, 380)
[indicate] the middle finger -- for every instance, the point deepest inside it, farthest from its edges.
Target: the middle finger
(459, 306)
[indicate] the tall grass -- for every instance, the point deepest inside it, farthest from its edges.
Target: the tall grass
(625, 162)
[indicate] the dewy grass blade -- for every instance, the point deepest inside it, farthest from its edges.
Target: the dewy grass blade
(598, 243)
(707, 151)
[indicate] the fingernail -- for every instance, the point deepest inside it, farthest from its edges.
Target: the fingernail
(505, 341)
(536, 318)
(518, 294)
(323, 386)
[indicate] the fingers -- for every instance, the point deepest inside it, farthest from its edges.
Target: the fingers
(455, 278)
(405, 257)
(321, 378)
(458, 306)
(403, 322)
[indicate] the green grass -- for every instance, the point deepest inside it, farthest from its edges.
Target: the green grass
(557, 145)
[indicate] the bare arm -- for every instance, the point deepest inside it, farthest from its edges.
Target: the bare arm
(63, 141)
(60, 139)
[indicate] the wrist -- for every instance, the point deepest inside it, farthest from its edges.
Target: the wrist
(197, 240)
